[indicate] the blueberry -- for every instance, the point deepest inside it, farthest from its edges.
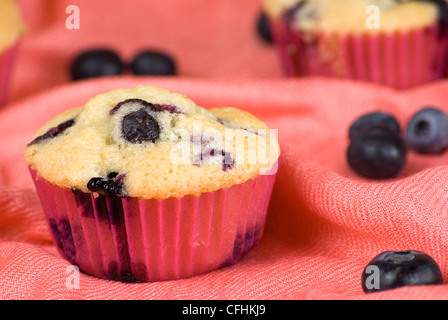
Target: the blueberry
(394, 269)
(263, 28)
(227, 160)
(427, 131)
(140, 126)
(153, 63)
(373, 119)
(290, 15)
(111, 186)
(208, 151)
(53, 132)
(96, 63)
(377, 153)
(112, 175)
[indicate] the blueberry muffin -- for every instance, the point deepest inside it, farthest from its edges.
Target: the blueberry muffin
(142, 184)
(397, 43)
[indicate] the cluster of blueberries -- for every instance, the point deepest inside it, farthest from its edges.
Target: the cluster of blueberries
(101, 62)
(377, 150)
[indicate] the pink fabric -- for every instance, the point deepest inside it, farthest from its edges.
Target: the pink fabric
(7, 59)
(324, 223)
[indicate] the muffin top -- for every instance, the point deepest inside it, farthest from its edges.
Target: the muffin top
(147, 142)
(350, 16)
(12, 26)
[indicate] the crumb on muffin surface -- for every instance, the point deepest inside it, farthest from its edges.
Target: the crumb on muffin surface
(147, 142)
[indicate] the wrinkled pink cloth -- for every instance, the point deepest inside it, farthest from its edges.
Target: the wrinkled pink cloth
(324, 223)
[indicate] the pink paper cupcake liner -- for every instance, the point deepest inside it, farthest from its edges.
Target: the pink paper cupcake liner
(6, 62)
(133, 240)
(400, 60)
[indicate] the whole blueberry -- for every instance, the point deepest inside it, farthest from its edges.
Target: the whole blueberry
(427, 131)
(377, 153)
(377, 119)
(263, 28)
(394, 269)
(96, 63)
(140, 126)
(111, 186)
(153, 63)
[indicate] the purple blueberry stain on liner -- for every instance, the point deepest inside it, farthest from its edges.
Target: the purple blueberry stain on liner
(56, 234)
(62, 233)
(83, 203)
(108, 210)
(115, 213)
(117, 273)
(112, 212)
(101, 211)
(244, 242)
(53, 132)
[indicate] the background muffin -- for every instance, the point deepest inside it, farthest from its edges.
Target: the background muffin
(399, 44)
(141, 184)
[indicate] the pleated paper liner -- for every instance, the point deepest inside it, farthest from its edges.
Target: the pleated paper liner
(134, 240)
(6, 63)
(400, 60)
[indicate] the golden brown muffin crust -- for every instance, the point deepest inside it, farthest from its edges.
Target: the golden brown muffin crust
(196, 151)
